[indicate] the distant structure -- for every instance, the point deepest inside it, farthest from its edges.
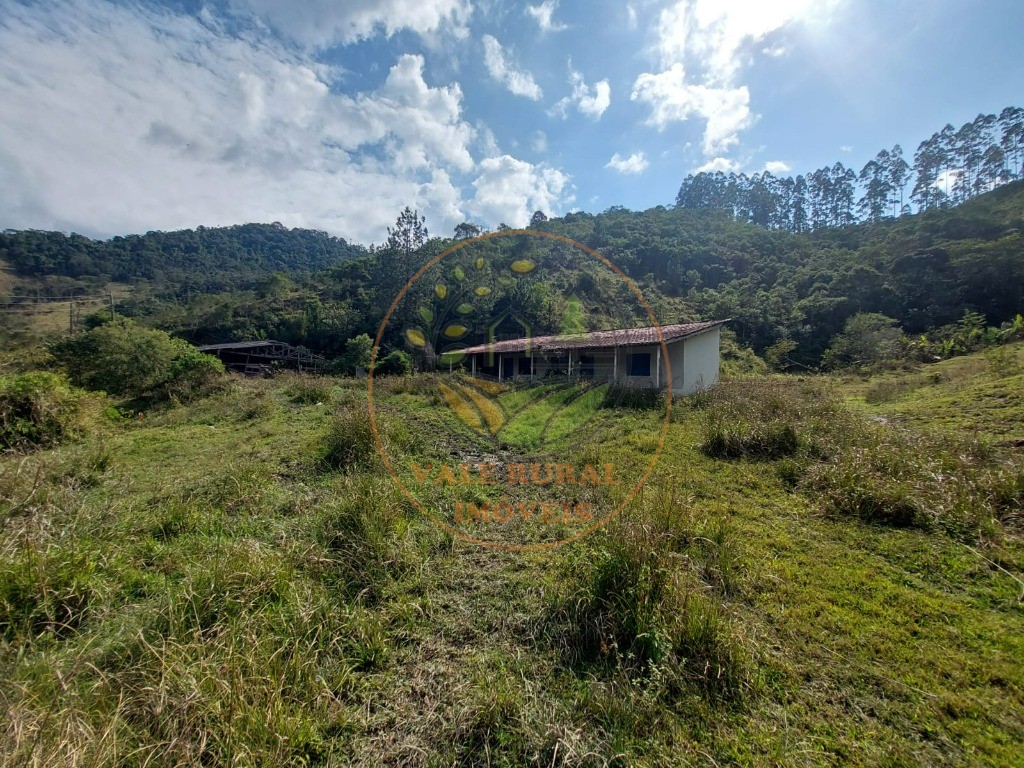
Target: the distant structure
(630, 356)
(259, 358)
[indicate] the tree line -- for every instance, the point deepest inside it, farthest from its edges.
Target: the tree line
(950, 167)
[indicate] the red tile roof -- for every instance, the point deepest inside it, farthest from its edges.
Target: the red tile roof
(623, 337)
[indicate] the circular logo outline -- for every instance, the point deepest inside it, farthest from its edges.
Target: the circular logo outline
(373, 415)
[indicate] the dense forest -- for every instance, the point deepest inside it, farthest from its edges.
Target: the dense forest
(203, 259)
(715, 254)
(949, 168)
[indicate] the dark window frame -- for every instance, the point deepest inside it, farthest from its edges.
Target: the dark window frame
(638, 364)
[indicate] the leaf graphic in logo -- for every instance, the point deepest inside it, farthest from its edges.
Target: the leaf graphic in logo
(462, 408)
(426, 315)
(464, 309)
(441, 291)
(415, 337)
(479, 263)
(460, 275)
(473, 408)
(483, 290)
(523, 266)
(455, 331)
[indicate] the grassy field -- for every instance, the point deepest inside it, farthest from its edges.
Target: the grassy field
(819, 572)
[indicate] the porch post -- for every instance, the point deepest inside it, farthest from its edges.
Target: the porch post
(533, 367)
(657, 369)
(472, 365)
(615, 364)
(499, 367)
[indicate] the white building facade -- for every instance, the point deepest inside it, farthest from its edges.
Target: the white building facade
(630, 356)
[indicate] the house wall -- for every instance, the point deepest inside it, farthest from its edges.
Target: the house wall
(693, 364)
(703, 360)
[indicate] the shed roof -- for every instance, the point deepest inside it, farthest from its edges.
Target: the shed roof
(622, 337)
(242, 345)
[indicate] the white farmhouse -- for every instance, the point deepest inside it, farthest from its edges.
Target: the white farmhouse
(631, 356)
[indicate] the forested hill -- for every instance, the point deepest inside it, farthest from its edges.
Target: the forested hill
(207, 258)
(924, 270)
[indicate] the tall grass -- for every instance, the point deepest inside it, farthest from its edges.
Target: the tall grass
(901, 478)
(641, 597)
(766, 418)
(855, 467)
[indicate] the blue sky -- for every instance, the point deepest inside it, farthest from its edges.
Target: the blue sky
(127, 117)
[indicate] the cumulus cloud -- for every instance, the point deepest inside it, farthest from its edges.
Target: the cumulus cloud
(703, 47)
(591, 102)
(542, 14)
(510, 190)
(672, 99)
(501, 67)
(120, 119)
(723, 164)
(777, 167)
(634, 164)
(318, 23)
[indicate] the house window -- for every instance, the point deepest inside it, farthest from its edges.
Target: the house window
(639, 364)
(508, 367)
(587, 366)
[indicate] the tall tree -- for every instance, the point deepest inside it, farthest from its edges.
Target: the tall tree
(874, 177)
(929, 162)
(1011, 127)
(898, 173)
(799, 217)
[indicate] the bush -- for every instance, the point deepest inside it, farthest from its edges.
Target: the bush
(630, 603)
(868, 339)
(38, 409)
(898, 478)
(398, 363)
(309, 390)
(350, 441)
(122, 358)
(633, 398)
(765, 418)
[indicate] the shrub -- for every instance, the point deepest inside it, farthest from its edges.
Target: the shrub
(38, 409)
(398, 363)
(358, 351)
(350, 441)
(125, 359)
(309, 390)
(632, 602)
(868, 339)
(766, 418)
(633, 398)
(903, 479)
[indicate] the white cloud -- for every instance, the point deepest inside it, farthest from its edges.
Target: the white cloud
(846, 148)
(590, 102)
(634, 164)
(723, 164)
(318, 23)
(703, 47)
(502, 69)
(542, 15)
(120, 119)
(672, 99)
(510, 190)
(539, 141)
(630, 16)
(776, 167)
